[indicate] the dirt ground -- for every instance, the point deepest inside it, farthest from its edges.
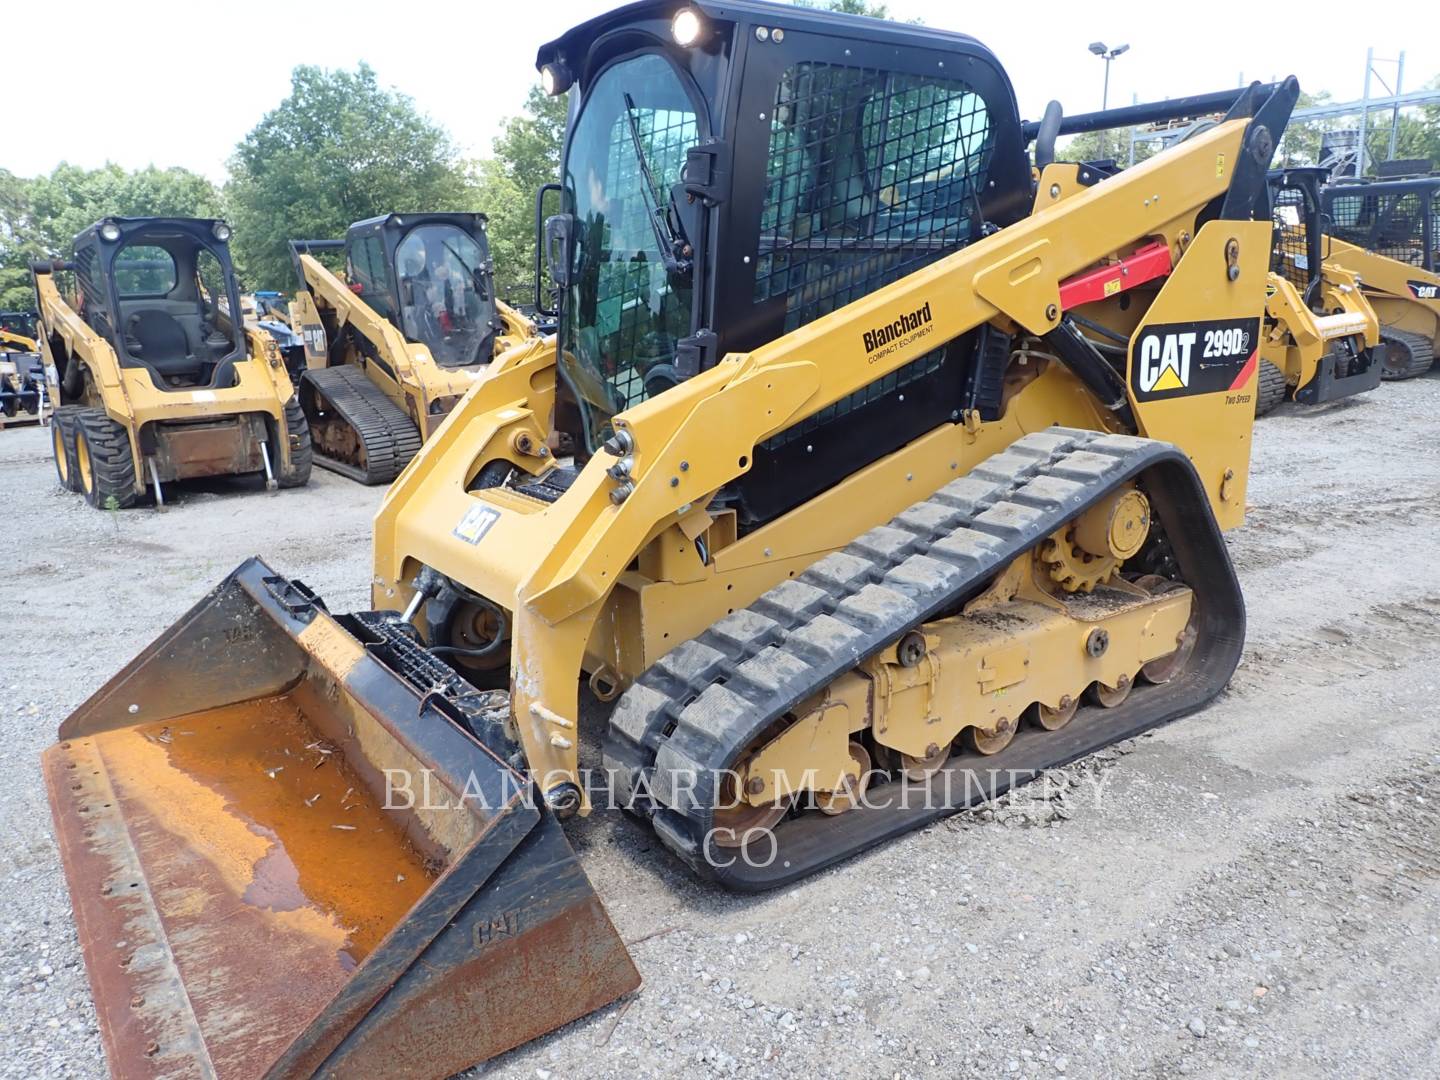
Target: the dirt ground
(1251, 891)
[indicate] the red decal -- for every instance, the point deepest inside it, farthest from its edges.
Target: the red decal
(1246, 371)
(1150, 262)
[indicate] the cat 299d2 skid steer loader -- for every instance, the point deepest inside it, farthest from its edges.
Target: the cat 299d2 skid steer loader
(857, 496)
(154, 374)
(394, 344)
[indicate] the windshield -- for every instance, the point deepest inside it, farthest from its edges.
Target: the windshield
(623, 312)
(445, 301)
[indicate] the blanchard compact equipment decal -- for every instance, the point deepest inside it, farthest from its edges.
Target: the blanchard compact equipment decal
(884, 340)
(1177, 359)
(1424, 290)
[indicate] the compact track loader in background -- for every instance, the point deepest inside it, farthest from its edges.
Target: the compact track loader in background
(1322, 337)
(867, 501)
(392, 345)
(268, 309)
(1387, 232)
(22, 373)
(152, 377)
(19, 324)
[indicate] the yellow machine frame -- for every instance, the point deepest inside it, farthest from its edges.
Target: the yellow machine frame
(1386, 284)
(419, 381)
(1297, 340)
(598, 585)
(129, 395)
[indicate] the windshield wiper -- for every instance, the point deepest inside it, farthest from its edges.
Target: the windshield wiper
(675, 253)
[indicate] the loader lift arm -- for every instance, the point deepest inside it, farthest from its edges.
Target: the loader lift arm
(1011, 279)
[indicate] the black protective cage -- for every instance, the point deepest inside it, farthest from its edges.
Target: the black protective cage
(391, 230)
(780, 234)
(24, 323)
(1295, 252)
(94, 266)
(768, 233)
(1399, 219)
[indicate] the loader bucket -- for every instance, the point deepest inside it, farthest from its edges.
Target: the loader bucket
(288, 859)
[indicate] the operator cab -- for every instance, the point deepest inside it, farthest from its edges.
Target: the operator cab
(1296, 253)
(431, 276)
(1399, 219)
(21, 323)
(161, 291)
(707, 213)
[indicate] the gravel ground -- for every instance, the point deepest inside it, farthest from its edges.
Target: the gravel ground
(1252, 891)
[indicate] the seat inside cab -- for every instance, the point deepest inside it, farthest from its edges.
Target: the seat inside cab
(173, 306)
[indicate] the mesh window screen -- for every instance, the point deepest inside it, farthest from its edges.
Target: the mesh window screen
(1432, 257)
(1399, 234)
(1349, 220)
(1290, 257)
(872, 174)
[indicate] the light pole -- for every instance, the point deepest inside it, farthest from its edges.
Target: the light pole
(1099, 49)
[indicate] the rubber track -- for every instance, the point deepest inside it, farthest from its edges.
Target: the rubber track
(389, 436)
(694, 713)
(1270, 388)
(1421, 352)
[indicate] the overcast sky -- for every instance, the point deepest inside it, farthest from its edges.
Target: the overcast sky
(178, 82)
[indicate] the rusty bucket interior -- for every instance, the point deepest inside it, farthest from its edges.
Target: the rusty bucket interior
(287, 859)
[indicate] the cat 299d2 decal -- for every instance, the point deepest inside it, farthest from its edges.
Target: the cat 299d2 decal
(1177, 359)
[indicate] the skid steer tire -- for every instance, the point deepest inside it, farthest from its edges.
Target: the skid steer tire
(105, 465)
(1269, 388)
(62, 446)
(301, 452)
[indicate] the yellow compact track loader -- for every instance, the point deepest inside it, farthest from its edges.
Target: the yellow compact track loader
(22, 372)
(153, 378)
(1387, 233)
(871, 517)
(1322, 337)
(395, 342)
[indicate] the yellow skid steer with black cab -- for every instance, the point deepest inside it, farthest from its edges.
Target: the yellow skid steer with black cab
(901, 473)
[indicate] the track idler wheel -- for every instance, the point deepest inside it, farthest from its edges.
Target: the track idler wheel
(920, 769)
(1110, 696)
(990, 742)
(735, 819)
(1164, 668)
(1048, 719)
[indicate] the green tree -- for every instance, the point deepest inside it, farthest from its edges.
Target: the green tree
(1417, 133)
(39, 217)
(526, 156)
(850, 7)
(339, 149)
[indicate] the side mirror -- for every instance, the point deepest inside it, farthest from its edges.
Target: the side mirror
(559, 235)
(542, 255)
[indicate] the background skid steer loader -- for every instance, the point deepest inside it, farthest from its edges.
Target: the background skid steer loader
(154, 376)
(1322, 337)
(22, 373)
(392, 345)
(846, 467)
(1387, 232)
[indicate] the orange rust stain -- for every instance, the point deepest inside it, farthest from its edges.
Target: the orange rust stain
(277, 792)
